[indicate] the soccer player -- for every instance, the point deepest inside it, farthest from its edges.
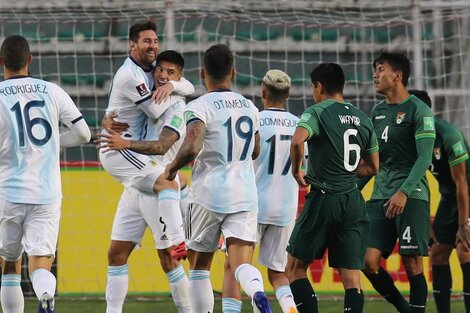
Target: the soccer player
(399, 205)
(30, 185)
(341, 146)
(221, 135)
(131, 100)
(277, 193)
(450, 166)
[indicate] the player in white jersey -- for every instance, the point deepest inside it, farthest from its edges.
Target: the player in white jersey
(30, 185)
(142, 176)
(277, 193)
(221, 136)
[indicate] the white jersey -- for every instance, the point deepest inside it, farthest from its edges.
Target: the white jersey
(278, 192)
(172, 118)
(30, 112)
(223, 179)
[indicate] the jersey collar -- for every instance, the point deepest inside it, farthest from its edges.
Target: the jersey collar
(145, 70)
(19, 76)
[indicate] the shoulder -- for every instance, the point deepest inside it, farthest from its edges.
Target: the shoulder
(448, 131)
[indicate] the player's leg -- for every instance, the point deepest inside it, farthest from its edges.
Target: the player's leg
(272, 254)
(464, 258)
(41, 231)
(127, 231)
(11, 249)
(382, 238)
(353, 296)
(184, 193)
(413, 241)
(304, 295)
(231, 293)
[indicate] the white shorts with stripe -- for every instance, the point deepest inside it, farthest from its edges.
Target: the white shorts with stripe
(135, 212)
(203, 227)
(131, 168)
(273, 241)
(33, 228)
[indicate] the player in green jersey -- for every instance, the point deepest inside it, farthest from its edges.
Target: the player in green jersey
(451, 168)
(399, 205)
(342, 145)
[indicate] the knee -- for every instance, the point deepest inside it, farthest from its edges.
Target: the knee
(371, 266)
(166, 261)
(117, 257)
(413, 265)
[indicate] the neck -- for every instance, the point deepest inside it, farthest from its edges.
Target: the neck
(335, 97)
(8, 73)
(211, 85)
(274, 105)
(397, 95)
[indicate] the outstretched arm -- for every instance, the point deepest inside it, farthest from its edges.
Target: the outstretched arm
(459, 175)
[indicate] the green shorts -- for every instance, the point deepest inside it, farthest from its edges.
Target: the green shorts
(411, 228)
(446, 221)
(337, 222)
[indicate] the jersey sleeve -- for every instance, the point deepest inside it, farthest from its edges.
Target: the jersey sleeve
(373, 145)
(175, 120)
(424, 122)
(136, 89)
(310, 121)
(195, 111)
(182, 87)
(455, 147)
(68, 111)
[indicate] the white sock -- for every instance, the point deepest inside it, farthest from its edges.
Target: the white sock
(11, 295)
(169, 207)
(43, 281)
(179, 285)
(184, 193)
(116, 288)
(231, 305)
(249, 278)
(285, 298)
(200, 291)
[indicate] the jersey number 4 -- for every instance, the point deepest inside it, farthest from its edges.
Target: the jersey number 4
(29, 123)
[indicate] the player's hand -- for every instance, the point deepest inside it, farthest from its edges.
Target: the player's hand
(162, 92)
(463, 236)
(299, 177)
(169, 173)
(109, 122)
(111, 141)
(396, 204)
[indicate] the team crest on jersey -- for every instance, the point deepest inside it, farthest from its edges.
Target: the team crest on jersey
(142, 89)
(400, 117)
(437, 153)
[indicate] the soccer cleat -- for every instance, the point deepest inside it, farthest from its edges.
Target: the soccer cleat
(179, 252)
(292, 310)
(46, 304)
(261, 303)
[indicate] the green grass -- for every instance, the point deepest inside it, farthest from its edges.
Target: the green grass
(164, 305)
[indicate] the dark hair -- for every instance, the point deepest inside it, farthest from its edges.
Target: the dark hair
(135, 29)
(421, 95)
(330, 75)
(15, 52)
(171, 56)
(218, 62)
(397, 61)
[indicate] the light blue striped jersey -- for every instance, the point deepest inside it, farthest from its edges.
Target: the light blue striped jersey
(30, 111)
(223, 179)
(278, 192)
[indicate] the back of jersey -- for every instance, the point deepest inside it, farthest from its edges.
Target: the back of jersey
(223, 178)
(340, 134)
(30, 111)
(277, 189)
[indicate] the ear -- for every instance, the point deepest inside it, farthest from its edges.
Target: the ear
(30, 59)
(234, 72)
(202, 73)
(1, 61)
(263, 92)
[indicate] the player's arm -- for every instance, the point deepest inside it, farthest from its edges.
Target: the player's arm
(257, 148)
(297, 154)
(77, 133)
(192, 145)
(182, 87)
(108, 122)
(369, 165)
(459, 176)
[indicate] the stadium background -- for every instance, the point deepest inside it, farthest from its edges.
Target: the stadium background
(81, 44)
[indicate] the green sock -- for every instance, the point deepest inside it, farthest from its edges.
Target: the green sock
(383, 283)
(353, 300)
(304, 296)
(466, 285)
(418, 293)
(442, 284)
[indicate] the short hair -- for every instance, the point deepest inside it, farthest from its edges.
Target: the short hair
(171, 56)
(134, 30)
(218, 62)
(421, 95)
(15, 52)
(278, 84)
(330, 75)
(397, 61)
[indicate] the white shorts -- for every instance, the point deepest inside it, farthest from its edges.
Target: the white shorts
(33, 228)
(132, 169)
(203, 227)
(135, 212)
(272, 245)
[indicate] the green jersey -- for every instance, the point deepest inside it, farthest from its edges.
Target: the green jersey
(450, 148)
(339, 135)
(398, 128)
